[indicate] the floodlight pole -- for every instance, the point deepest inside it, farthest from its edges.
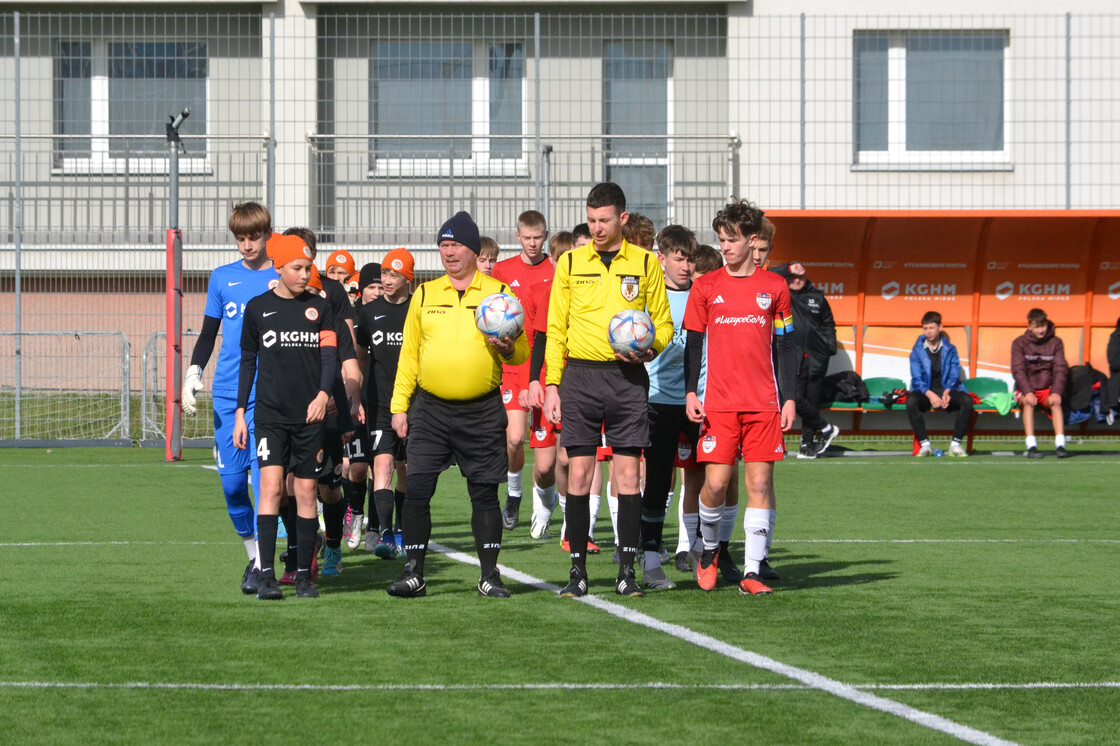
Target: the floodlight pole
(173, 430)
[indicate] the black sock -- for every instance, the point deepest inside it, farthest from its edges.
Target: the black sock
(486, 525)
(306, 529)
(578, 514)
(383, 503)
(333, 516)
(288, 516)
(417, 520)
(266, 540)
(629, 530)
(398, 500)
(354, 495)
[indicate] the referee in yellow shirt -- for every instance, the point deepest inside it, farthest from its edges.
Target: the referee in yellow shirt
(446, 401)
(600, 390)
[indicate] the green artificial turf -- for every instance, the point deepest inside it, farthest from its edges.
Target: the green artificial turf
(121, 572)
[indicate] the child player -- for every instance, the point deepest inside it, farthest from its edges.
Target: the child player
(288, 338)
(358, 450)
(380, 332)
(230, 288)
(528, 268)
(738, 310)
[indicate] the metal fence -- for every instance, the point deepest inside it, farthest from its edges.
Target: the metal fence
(371, 127)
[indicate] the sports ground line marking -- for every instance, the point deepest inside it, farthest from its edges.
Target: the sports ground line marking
(806, 677)
(8, 544)
(541, 686)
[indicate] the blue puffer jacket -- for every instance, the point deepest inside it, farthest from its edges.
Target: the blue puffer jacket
(920, 369)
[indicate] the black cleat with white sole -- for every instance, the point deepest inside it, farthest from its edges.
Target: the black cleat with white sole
(409, 585)
(492, 586)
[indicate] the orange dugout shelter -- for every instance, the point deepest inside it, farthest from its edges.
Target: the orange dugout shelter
(982, 270)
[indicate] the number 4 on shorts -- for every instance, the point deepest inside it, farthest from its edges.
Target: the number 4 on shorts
(262, 450)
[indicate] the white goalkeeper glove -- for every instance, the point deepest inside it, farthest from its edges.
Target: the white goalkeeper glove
(191, 386)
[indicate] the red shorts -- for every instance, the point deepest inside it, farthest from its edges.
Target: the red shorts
(1041, 395)
(513, 384)
(757, 435)
(542, 433)
(686, 456)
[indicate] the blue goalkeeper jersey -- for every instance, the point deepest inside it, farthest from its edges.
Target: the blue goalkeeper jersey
(666, 371)
(230, 288)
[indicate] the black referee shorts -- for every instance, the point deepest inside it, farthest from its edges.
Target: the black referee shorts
(604, 397)
(473, 431)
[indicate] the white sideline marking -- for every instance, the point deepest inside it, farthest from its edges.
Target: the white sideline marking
(550, 685)
(808, 678)
(112, 543)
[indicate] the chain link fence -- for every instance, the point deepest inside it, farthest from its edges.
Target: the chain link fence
(372, 127)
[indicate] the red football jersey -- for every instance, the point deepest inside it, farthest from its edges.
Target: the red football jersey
(521, 276)
(740, 316)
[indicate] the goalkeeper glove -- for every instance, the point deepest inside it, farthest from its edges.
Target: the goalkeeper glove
(191, 386)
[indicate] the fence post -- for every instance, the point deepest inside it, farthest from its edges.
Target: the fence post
(18, 228)
(1069, 184)
(270, 167)
(537, 100)
(802, 111)
(126, 388)
(174, 417)
(733, 156)
(546, 182)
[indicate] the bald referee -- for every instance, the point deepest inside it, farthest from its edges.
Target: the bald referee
(447, 401)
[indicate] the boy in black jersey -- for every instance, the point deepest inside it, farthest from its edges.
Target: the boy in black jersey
(288, 337)
(380, 331)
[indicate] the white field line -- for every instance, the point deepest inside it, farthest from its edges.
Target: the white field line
(801, 675)
(548, 685)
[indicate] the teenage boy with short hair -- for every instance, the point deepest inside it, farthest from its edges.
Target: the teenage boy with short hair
(1038, 364)
(935, 383)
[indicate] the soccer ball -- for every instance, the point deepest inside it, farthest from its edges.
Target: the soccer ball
(500, 315)
(631, 331)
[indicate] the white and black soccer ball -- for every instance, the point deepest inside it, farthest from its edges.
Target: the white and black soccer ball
(500, 315)
(631, 331)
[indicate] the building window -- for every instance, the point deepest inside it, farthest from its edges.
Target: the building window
(931, 99)
(116, 97)
(432, 103)
(637, 99)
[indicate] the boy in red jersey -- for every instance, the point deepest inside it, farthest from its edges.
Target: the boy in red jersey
(747, 405)
(521, 272)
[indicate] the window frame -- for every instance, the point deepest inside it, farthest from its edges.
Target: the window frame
(480, 163)
(666, 161)
(897, 157)
(100, 160)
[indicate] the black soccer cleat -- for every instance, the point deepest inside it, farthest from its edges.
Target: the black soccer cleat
(1033, 452)
(492, 586)
(410, 584)
(627, 586)
(512, 512)
(765, 572)
(576, 587)
(269, 587)
(807, 451)
(727, 567)
(305, 586)
(251, 580)
(1061, 452)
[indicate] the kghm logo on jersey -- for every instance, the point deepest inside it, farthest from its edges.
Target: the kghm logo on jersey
(763, 300)
(628, 285)
(312, 314)
(708, 443)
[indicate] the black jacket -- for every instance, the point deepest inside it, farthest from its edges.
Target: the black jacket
(813, 327)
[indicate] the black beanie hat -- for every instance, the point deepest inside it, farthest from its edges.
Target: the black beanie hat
(461, 228)
(370, 273)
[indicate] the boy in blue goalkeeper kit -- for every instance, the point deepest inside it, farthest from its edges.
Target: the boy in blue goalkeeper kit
(230, 287)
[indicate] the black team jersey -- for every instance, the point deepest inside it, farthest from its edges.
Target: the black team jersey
(295, 341)
(339, 302)
(380, 329)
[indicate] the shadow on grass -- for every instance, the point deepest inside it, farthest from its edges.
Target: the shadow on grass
(822, 574)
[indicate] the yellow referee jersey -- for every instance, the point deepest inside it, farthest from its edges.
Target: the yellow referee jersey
(586, 295)
(443, 352)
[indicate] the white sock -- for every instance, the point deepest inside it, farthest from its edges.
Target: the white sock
(544, 502)
(612, 504)
(563, 500)
(593, 503)
(727, 525)
(1059, 441)
(690, 535)
(683, 538)
(250, 546)
(1032, 442)
(513, 485)
(756, 522)
(709, 525)
(770, 536)
(923, 443)
(669, 500)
